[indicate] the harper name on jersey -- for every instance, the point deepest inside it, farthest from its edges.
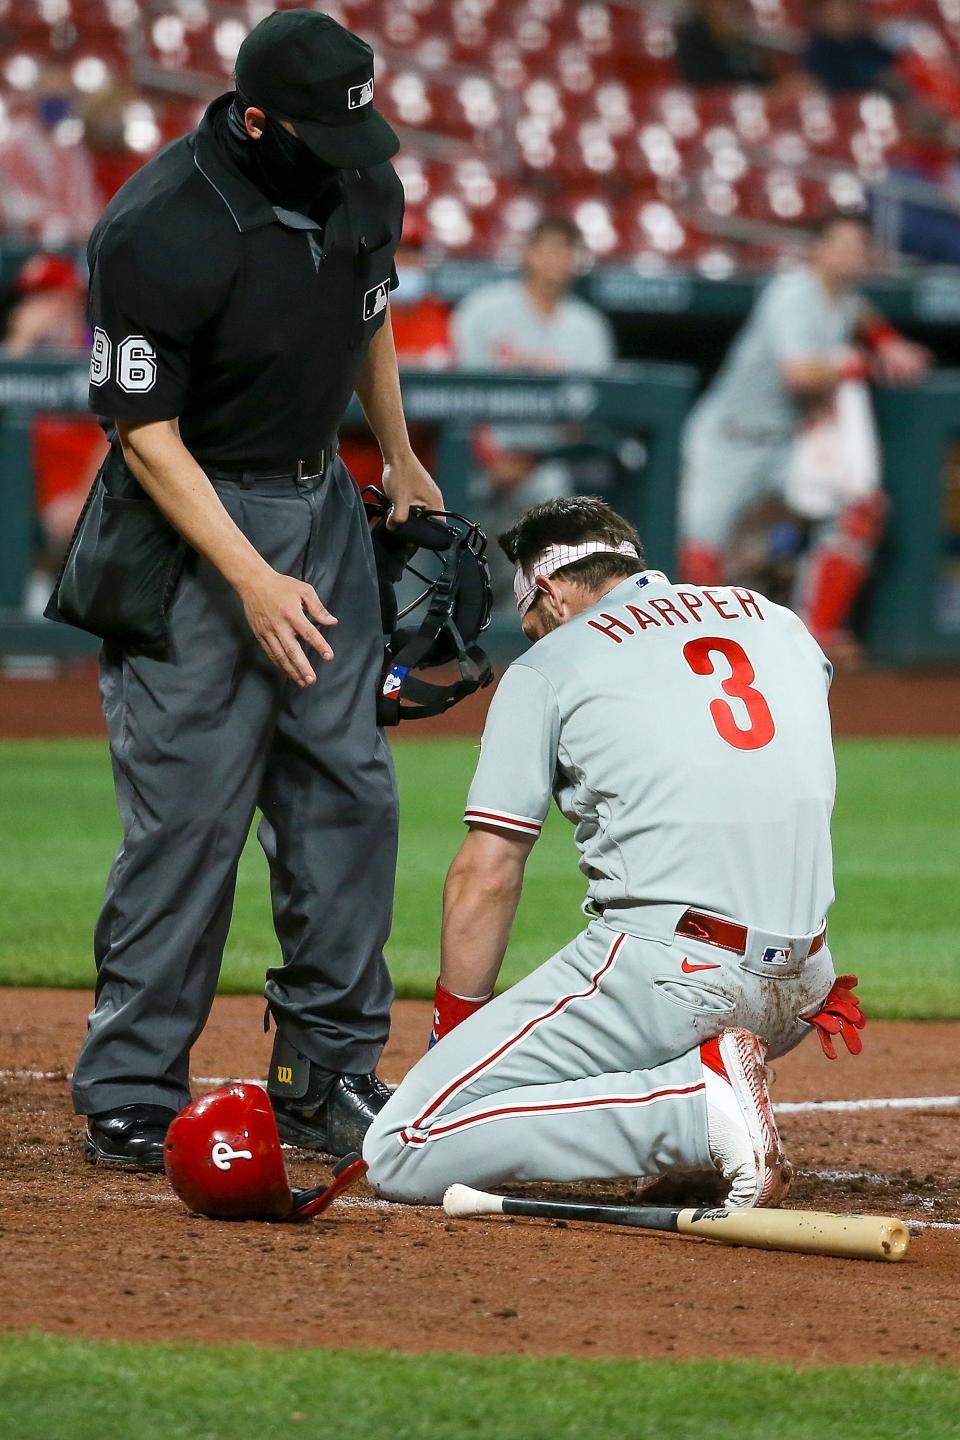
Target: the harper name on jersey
(730, 603)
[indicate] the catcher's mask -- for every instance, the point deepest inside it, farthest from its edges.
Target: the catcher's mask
(222, 1156)
(446, 554)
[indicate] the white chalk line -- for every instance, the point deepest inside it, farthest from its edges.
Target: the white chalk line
(789, 1107)
(910, 1102)
(840, 1175)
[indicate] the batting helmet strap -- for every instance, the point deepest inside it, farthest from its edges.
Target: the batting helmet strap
(457, 601)
(307, 1203)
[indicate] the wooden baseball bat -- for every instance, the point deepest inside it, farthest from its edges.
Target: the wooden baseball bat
(808, 1232)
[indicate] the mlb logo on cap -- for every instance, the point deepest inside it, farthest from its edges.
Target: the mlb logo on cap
(375, 299)
(308, 68)
(359, 95)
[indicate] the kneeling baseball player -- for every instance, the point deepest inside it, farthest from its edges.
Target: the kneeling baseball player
(685, 732)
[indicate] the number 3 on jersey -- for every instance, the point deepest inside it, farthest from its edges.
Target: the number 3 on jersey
(699, 655)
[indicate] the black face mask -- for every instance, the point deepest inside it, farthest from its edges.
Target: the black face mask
(279, 164)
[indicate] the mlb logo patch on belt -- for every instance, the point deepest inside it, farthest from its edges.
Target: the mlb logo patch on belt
(375, 299)
(777, 955)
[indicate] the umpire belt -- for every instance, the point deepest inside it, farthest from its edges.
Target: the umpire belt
(300, 472)
(760, 951)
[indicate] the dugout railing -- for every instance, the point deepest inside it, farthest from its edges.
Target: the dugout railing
(643, 403)
(914, 606)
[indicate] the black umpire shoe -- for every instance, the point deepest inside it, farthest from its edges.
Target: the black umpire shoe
(130, 1137)
(334, 1115)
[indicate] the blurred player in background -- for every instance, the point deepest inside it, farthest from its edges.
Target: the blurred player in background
(531, 323)
(421, 317)
(809, 333)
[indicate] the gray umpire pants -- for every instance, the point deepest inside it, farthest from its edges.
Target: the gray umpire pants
(198, 742)
(588, 1069)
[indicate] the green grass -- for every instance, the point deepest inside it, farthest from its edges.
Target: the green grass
(897, 845)
(84, 1390)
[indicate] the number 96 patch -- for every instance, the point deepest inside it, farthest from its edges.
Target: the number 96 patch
(136, 362)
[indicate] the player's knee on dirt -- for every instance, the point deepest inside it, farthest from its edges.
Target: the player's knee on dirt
(395, 1170)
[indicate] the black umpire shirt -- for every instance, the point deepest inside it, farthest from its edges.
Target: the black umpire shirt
(248, 322)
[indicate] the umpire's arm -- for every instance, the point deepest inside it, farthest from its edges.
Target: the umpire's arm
(405, 481)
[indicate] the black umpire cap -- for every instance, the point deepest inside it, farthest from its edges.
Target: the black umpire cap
(302, 66)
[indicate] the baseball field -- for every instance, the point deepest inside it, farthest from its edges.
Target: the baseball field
(126, 1317)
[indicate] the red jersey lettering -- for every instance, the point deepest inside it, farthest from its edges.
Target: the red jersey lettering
(692, 601)
(748, 601)
(666, 608)
(718, 606)
(610, 627)
(642, 618)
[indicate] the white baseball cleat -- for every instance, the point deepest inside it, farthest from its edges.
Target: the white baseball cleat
(741, 1129)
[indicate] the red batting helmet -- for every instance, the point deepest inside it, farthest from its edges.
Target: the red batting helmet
(222, 1156)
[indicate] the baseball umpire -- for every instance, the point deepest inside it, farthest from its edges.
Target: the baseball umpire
(239, 295)
(684, 730)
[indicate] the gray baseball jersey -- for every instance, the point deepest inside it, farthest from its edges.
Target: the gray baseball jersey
(738, 439)
(686, 734)
(498, 328)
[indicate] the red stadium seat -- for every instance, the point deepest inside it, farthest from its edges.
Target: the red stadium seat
(533, 104)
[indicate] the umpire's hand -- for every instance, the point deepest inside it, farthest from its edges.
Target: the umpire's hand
(407, 483)
(281, 612)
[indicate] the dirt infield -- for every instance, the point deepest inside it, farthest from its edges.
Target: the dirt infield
(93, 1253)
(869, 703)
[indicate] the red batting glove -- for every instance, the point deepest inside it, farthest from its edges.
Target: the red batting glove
(450, 1010)
(840, 1014)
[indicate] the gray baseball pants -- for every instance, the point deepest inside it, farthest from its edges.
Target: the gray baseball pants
(588, 1069)
(198, 742)
(723, 474)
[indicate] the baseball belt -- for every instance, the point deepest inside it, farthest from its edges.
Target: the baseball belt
(729, 935)
(298, 471)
